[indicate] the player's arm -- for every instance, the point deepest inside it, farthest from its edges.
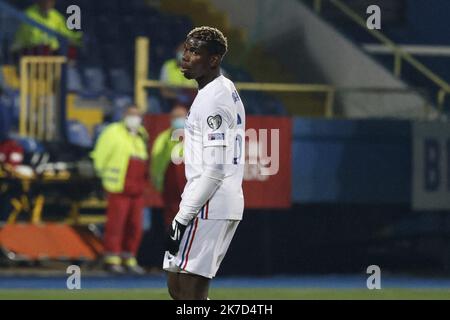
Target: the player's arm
(209, 181)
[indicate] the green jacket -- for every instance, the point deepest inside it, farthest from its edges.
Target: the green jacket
(112, 152)
(171, 74)
(29, 36)
(161, 157)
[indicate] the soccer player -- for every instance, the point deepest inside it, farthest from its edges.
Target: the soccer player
(212, 201)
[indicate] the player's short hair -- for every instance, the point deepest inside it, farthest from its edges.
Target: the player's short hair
(217, 42)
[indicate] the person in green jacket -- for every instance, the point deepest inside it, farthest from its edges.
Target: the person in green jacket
(168, 176)
(121, 161)
(29, 38)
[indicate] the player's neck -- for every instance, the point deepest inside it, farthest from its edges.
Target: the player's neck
(203, 81)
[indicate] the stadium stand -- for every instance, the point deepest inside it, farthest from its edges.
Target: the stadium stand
(351, 179)
(98, 73)
(405, 22)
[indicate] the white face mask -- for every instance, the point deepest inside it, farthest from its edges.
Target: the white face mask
(133, 122)
(179, 56)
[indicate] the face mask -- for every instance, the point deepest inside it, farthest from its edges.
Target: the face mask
(179, 56)
(178, 123)
(133, 122)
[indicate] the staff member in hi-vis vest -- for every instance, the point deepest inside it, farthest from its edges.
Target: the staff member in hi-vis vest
(168, 177)
(121, 161)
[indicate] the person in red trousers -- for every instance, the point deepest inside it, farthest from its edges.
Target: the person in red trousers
(121, 161)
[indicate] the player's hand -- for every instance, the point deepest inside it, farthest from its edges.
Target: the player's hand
(174, 237)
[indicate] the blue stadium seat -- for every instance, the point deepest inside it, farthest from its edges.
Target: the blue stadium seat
(29, 145)
(2, 83)
(4, 120)
(154, 105)
(119, 103)
(78, 134)
(94, 80)
(120, 81)
(74, 82)
(10, 100)
(122, 101)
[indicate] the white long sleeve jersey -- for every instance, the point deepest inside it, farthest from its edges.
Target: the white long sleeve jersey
(216, 119)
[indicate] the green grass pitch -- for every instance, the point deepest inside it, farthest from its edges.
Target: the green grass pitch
(231, 294)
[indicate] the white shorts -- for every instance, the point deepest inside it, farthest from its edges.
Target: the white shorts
(203, 247)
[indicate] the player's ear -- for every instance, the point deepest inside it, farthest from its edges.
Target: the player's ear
(214, 61)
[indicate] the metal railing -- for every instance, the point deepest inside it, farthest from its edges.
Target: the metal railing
(40, 96)
(399, 53)
(328, 90)
(33, 98)
(142, 82)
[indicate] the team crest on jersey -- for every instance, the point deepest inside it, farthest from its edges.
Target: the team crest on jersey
(214, 122)
(235, 96)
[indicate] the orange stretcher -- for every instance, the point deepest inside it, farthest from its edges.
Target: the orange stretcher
(38, 240)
